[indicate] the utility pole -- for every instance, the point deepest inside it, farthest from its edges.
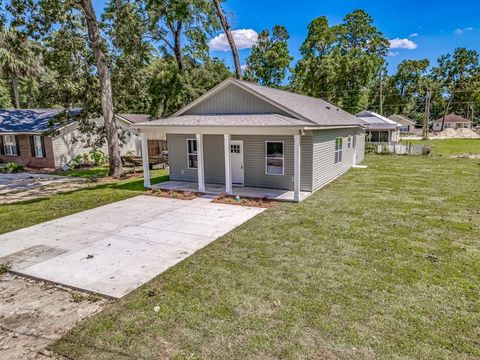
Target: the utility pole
(426, 119)
(381, 92)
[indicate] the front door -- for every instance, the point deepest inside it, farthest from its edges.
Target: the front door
(236, 158)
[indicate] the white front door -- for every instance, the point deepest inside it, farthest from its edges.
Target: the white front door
(236, 158)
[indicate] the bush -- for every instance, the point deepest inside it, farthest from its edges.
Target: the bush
(98, 157)
(12, 167)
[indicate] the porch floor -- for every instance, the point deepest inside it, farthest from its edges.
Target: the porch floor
(217, 189)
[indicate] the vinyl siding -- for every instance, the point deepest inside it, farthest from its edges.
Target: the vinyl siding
(324, 167)
(177, 153)
(234, 100)
(360, 146)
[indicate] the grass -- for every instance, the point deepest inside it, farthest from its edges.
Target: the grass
(382, 263)
(451, 147)
(31, 212)
(93, 172)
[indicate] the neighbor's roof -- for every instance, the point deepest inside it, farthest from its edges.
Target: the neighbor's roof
(29, 120)
(373, 120)
(453, 118)
(134, 118)
(402, 119)
(230, 120)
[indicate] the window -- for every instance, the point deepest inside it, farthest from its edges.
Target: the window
(274, 158)
(338, 150)
(235, 149)
(10, 145)
(38, 146)
(349, 142)
(192, 153)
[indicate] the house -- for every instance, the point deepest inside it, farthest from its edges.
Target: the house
(245, 139)
(378, 128)
(452, 121)
(23, 139)
(407, 125)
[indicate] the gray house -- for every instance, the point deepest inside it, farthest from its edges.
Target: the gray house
(249, 140)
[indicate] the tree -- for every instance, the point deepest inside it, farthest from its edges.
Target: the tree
(19, 59)
(270, 58)
(228, 34)
(97, 46)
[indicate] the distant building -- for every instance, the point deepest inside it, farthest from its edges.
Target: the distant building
(379, 129)
(452, 121)
(407, 125)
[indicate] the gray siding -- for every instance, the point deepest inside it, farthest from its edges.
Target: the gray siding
(253, 157)
(324, 167)
(233, 100)
(360, 145)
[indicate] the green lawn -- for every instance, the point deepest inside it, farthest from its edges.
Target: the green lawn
(93, 172)
(31, 212)
(449, 147)
(384, 263)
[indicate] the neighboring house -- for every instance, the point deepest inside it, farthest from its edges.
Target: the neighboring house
(252, 136)
(23, 138)
(407, 125)
(378, 128)
(452, 121)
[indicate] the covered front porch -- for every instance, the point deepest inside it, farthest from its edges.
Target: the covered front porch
(242, 191)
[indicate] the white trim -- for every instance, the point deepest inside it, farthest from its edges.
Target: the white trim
(145, 161)
(200, 169)
(188, 154)
(228, 163)
(296, 166)
(339, 150)
(283, 157)
(37, 145)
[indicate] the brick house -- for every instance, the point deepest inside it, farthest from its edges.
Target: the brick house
(23, 137)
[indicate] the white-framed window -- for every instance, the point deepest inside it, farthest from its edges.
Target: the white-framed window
(349, 142)
(274, 158)
(10, 145)
(192, 153)
(37, 146)
(338, 150)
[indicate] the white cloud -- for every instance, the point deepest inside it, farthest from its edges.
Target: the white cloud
(413, 35)
(243, 67)
(398, 43)
(244, 39)
(461, 31)
(392, 53)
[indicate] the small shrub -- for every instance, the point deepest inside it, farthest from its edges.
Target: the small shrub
(4, 268)
(12, 167)
(98, 157)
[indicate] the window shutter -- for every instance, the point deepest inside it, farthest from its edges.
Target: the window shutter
(42, 140)
(32, 145)
(17, 142)
(2, 149)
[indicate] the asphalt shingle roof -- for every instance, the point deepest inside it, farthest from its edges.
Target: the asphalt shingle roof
(372, 121)
(28, 120)
(453, 118)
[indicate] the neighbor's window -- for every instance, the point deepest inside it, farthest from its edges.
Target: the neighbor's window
(10, 145)
(338, 150)
(37, 146)
(192, 153)
(349, 142)
(274, 158)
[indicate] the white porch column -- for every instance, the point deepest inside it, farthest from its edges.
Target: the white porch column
(145, 161)
(296, 167)
(228, 164)
(200, 167)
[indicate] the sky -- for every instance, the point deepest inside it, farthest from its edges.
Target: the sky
(418, 28)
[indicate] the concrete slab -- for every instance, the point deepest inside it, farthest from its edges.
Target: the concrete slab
(113, 249)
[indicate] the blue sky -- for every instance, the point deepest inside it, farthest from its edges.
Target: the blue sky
(440, 26)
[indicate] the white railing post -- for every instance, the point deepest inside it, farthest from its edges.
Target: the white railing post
(200, 167)
(228, 164)
(296, 167)
(145, 161)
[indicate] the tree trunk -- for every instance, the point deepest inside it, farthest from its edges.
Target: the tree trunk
(16, 95)
(228, 34)
(114, 159)
(177, 45)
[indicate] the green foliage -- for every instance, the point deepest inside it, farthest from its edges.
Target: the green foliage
(13, 167)
(270, 58)
(5, 97)
(98, 157)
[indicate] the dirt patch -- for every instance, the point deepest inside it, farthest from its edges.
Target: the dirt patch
(458, 133)
(33, 314)
(244, 201)
(174, 194)
(466, 156)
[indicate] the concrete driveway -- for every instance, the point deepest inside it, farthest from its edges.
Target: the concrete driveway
(113, 249)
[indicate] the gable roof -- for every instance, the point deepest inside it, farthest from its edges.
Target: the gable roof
(30, 120)
(373, 120)
(402, 119)
(314, 111)
(453, 118)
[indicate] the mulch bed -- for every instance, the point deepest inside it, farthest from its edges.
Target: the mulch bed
(245, 201)
(174, 194)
